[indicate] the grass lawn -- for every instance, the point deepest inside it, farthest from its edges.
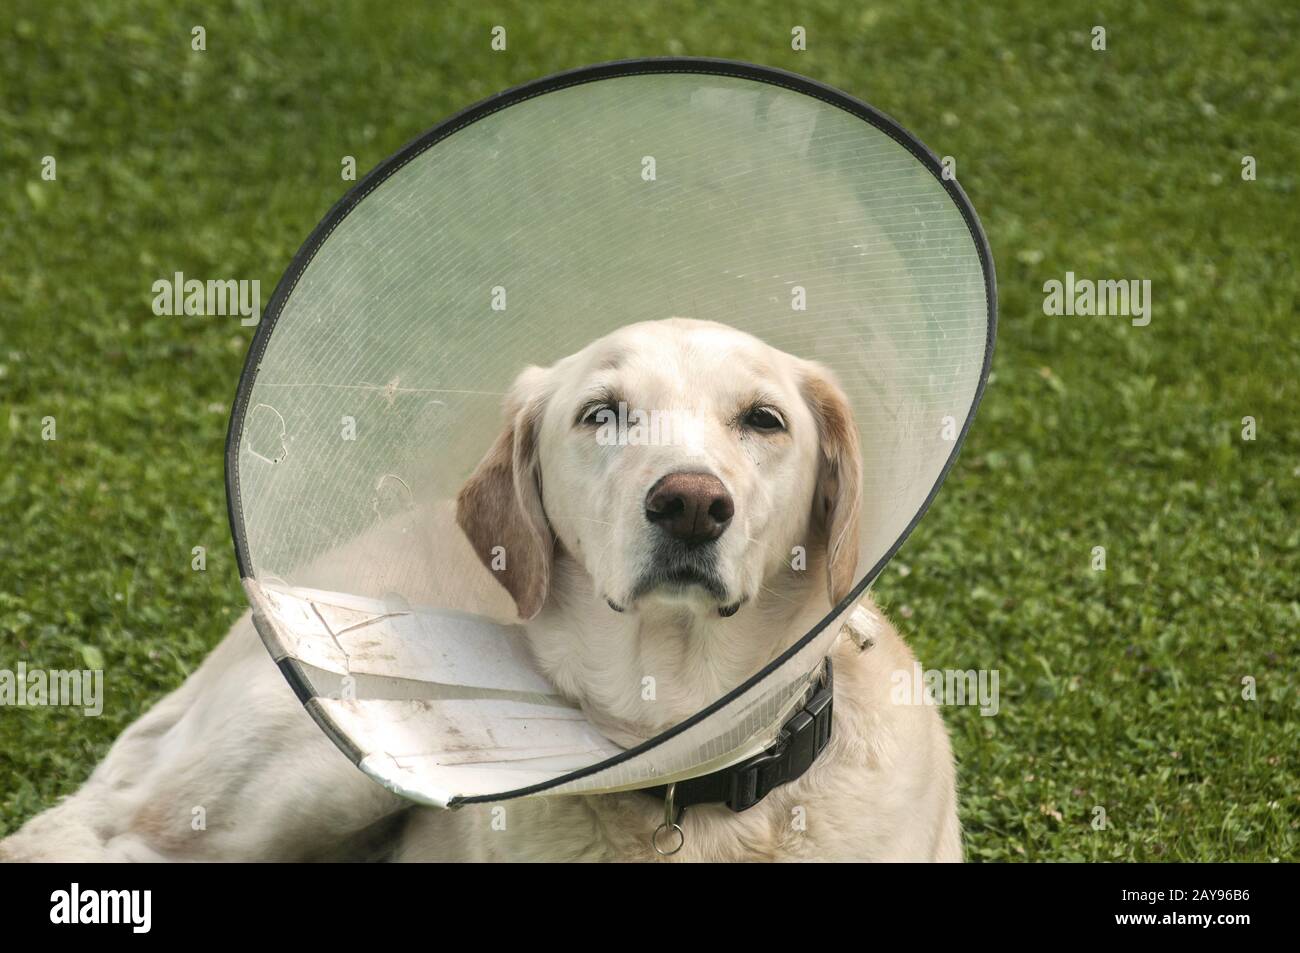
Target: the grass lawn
(1121, 690)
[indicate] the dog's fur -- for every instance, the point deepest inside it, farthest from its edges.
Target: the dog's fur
(601, 590)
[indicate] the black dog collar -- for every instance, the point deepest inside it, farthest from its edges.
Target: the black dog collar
(803, 737)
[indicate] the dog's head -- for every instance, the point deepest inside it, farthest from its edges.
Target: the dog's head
(679, 462)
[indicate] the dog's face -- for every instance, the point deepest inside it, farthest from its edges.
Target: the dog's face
(678, 462)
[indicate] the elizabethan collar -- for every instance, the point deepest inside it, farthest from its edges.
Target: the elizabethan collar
(515, 233)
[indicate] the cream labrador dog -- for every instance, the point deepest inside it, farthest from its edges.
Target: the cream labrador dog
(648, 491)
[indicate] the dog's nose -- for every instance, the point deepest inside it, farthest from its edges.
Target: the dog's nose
(692, 507)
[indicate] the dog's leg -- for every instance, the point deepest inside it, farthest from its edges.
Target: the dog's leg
(228, 767)
(948, 848)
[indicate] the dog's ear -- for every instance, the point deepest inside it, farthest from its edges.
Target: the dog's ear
(837, 498)
(500, 507)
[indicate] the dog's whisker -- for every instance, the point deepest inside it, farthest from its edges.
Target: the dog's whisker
(588, 519)
(778, 595)
(766, 547)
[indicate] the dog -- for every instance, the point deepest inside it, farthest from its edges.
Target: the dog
(648, 492)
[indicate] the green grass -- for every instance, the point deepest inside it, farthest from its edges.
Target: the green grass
(1120, 689)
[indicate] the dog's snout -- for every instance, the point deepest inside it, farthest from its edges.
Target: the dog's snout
(692, 507)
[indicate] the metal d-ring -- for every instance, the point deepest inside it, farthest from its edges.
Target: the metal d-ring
(669, 824)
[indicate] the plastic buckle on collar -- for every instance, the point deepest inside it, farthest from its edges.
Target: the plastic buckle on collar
(803, 737)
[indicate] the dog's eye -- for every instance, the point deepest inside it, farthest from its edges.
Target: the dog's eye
(764, 420)
(590, 414)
